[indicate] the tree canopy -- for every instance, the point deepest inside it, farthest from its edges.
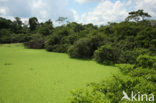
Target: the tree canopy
(138, 15)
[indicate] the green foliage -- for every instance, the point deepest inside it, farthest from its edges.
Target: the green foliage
(61, 19)
(37, 42)
(46, 28)
(137, 15)
(144, 68)
(33, 22)
(5, 24)
(125, 68)
(110, 91)
(88, 96)
(107, 54)
(17, 28)
(76, 27)
(145, 61)
(131, 43)
(81, 49)
(143, 81)
(125, 29)
(142, 72)
(8, 37)
(128, 39)
(4, 32)
(97, 40)
(59, 41)
(58, 48)
(129, 56)
(147, 38)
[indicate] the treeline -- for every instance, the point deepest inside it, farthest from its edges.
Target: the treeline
(110, 44)
(16, 31)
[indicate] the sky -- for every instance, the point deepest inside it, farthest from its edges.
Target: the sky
(98, 12)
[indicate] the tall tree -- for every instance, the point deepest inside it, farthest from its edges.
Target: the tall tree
(33, 23)
(61, 19)
(46, 28)
(138, 15)
(18, 21)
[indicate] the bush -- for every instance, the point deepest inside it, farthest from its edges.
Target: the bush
(52, 42)
(107, 54)
(145, 61)
(111, 91)
(154, 65)
(61, 48)
(58, 41)
(81, 49)
(37, 42)
(146, 38)
(130, 56)
(19, 38)
(125, 68)
(138, 72)
(5, 36)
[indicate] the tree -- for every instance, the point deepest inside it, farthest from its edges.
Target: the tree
(5, 23)
(17, 25)
(36, 42)
(137, 15)
(61, 19)
(107, 54)
(81, 49)
(18, 21)
(33, 22)
(46, 28)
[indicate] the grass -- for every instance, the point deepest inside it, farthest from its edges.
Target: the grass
(38, 76)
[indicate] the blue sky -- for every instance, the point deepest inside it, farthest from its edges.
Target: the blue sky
(82, 7)
(98, 12)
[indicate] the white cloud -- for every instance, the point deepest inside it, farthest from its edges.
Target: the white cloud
(38, 4)
(42, 9)
(43, 13)
(106, 11)
(3, 10)
(147, 5)
(76, 15)
(84, 1)
(3, 0)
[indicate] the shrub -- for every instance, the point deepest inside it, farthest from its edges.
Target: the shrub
(5, 36)
(61, 48)
(52, 42)
(19, 38)
(107, 54)
(81, 49)
(130, 56)
(125, 68)
(4, 32)
(97, 40)
(146, 38)
(145, 61)
(36, 42)
(138, 72)
(58, 42)
(154, 65)
(111, 91)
